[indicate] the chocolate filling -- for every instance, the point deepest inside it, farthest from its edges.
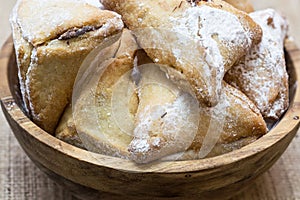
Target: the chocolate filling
(75, 32)
(195, 2)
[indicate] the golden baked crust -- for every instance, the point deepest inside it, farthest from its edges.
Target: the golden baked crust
(49, 54)
(242, 124)
(217, 34)
(66, 129)
(94, 119)
(243, 5)
(262, 75)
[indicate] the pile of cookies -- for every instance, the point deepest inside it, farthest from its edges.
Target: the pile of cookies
(156, 80)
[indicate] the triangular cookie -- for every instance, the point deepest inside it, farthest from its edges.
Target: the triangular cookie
(52, 38)
(201, 39)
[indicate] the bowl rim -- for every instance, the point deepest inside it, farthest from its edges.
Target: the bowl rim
(287, 124)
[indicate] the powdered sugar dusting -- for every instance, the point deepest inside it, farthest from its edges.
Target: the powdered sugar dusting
(262, 75)
(59, 15)
(163, 128)
(111, 24)
(95, 3)
(203, 24)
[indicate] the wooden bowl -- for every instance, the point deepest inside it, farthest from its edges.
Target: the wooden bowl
(95, 176)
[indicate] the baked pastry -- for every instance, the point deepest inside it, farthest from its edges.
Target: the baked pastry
(95, 102)
(217, 34)
(170, 124)
(167, 118)
(121, 46)
(234, 123)
(66, 129)
(51, 39)
(160, 102)
(243, 5)
(262, 75)
(142, 111)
